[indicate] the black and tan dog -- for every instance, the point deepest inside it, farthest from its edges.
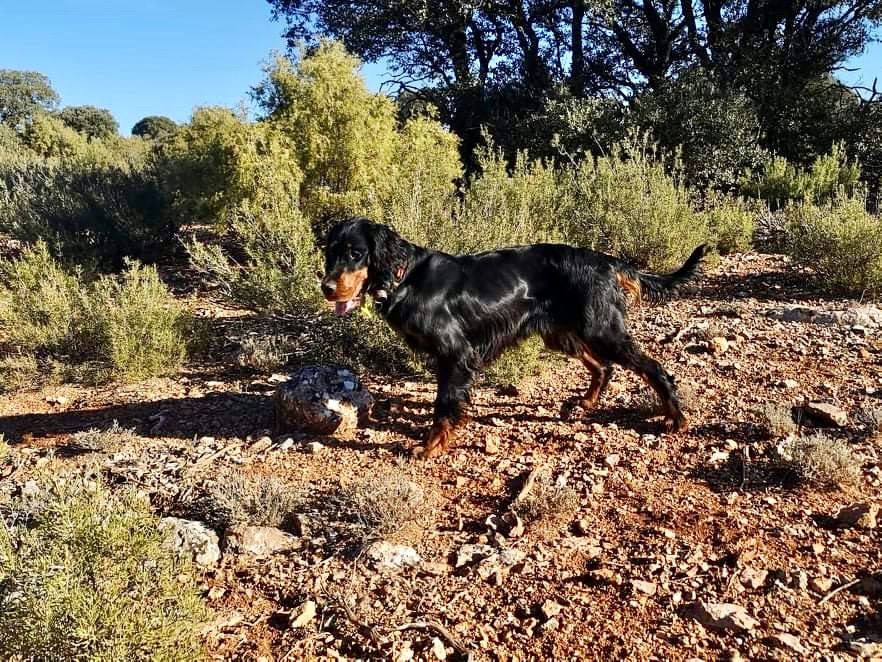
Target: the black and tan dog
(466, 309)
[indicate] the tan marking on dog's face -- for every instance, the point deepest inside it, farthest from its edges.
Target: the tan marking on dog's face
(349, 284)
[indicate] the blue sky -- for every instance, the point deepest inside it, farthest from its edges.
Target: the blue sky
(164, 57)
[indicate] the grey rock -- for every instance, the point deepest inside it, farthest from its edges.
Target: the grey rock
(191, 539)
(858, 515)
(788, 641)
(827, 413)
(471, 553)
(388, 556)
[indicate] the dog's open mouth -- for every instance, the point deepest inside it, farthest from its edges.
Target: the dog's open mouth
(343, 308)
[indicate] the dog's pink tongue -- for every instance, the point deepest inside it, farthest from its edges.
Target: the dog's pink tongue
(343, 307)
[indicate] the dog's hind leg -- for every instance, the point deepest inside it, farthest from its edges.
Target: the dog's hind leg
(454, 381)
(630, 356)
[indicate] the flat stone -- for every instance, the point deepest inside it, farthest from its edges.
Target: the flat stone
(647, 588)
(723, 616)
(827, 413)
(305, 615)
(471, 553)
(259, 541)
(550, 609)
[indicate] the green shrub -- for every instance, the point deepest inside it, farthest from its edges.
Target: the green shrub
(85, 575)
(18, 370)
(730, 221)
(140, 328)
(840, 242)
(780, 182)
(518, 363)
(130, 325)
(628, 205)
(343, 136)
(88, 211)
(41, 304)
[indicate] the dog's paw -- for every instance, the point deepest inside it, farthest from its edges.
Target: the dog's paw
(675, 424)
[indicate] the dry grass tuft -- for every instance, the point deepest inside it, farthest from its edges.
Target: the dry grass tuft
(546, 500)
(776, 419)
(383, 505)
(103, 441)
(821, 460)
(263, 353)
(233, 499)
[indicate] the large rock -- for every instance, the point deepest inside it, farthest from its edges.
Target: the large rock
(259, 541)
(322, 399)
(861, 316)
(191, 539)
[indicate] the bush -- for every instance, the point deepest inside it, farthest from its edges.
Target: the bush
(518, 363)
(140, 327)
(716, 132)
(821, 460)
(18, 370)
(730, 221)
(840, 242)
(234, 500)
(85, 575)
(41, 304)
(628, 205)
(780, 182)
(91, 208)
(384, 504)
(131, 324)
(343, 136)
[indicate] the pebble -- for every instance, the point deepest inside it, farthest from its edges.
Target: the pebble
(314, 447)
(723, 616)
(550, 609)
(305, 615)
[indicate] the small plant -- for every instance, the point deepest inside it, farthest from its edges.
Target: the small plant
(263, 353)
(629, 205)
(40, 303)
(87, 576)
(730, 221)
(103, 441)
(18, 370)
(140, 325)
(821, 460)
(383, 505)
(547, 500)
(776, 419)
(233, 499)
(841, 242)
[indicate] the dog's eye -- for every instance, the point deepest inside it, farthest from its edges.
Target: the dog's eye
(355, 254)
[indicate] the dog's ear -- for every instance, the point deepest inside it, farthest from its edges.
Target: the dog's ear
(387, 249)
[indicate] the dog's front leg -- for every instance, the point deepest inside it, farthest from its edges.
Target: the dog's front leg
(454, 381)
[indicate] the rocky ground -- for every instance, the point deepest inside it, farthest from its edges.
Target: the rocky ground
(626, 543)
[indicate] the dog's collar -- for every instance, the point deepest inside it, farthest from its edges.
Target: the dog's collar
(383, 294)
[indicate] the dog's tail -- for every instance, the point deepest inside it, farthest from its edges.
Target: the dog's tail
(659, 288)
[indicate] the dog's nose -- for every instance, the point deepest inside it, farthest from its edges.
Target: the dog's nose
(328, 287)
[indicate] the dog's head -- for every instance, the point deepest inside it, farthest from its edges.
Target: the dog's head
(359, 256)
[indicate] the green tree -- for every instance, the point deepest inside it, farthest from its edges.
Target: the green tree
(153, 127)
(23, 95)
(90, 120)
(343, 135)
